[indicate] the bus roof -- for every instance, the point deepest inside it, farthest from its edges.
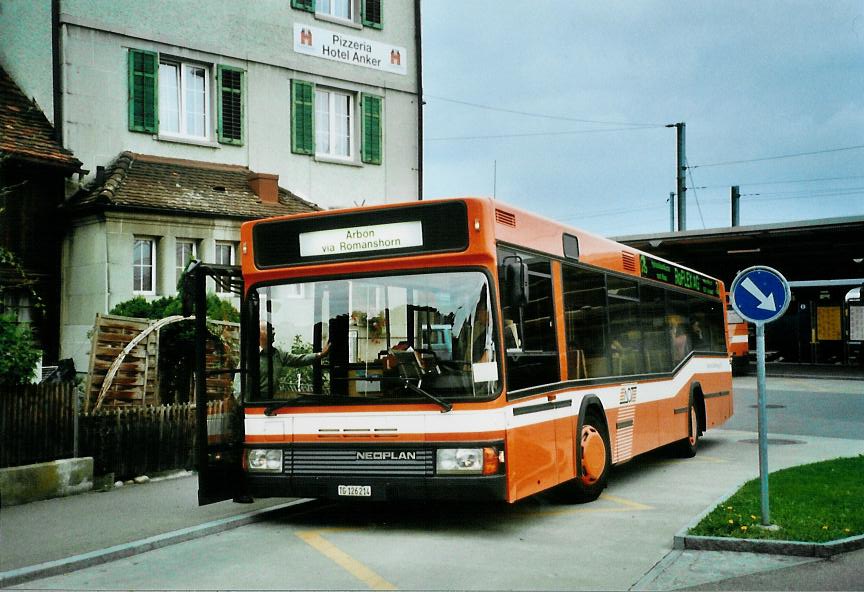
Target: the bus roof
(520, 228)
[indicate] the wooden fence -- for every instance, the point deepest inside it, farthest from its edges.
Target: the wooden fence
(37, 424)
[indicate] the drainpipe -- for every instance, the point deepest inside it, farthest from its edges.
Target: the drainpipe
(56, 65)
(420, 102)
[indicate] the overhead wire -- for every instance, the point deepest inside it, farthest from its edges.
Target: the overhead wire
(778, 157)
(539, 115)
(532, 134)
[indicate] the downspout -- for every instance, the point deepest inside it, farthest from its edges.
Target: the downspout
(56, 65)
(420, 101)
(107, 270)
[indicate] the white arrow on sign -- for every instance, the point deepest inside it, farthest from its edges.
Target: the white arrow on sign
(765, 302)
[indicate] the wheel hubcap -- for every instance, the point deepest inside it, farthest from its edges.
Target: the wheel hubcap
(593, 455)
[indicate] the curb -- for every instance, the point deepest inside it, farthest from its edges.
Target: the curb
(84, 560)
(683, 541)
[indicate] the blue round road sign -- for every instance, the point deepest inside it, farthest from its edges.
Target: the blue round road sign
(760, 294)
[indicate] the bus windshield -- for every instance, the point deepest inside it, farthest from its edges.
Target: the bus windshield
(409, 338)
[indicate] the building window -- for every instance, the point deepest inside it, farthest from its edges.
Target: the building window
(370, 10)
(336, 8)
(186, 250)
(224, 256)
(334, 117)
(323, 123)
(184, 100)
(184, 97)
(144, 266)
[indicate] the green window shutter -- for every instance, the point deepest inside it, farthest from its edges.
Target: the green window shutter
(307, 5)
(371, 122)
(372, 16)
(230, 104)
(302, 117)
(143, 80)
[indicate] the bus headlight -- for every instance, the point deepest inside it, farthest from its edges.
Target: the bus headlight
(264, 460)
(466, 461)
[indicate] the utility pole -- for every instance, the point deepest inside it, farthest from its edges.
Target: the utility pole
(736, 212)
(681, 170)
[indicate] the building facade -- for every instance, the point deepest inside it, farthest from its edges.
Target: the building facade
(319, 97)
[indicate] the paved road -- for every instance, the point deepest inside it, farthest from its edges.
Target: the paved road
(538, 544)
(822, 407)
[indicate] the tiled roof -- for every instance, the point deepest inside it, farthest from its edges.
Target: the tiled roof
(138, 181)
(24, 130)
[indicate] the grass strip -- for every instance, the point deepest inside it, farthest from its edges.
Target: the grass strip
(812, 503)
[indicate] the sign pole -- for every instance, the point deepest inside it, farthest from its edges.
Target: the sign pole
(763, 422)
(761, 295)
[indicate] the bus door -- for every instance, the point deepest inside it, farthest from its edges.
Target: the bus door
(219, 358)
(541, 448)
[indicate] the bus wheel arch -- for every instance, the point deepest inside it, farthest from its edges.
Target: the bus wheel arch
(593, 453)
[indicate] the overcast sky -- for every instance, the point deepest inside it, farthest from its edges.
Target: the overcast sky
(568, 100)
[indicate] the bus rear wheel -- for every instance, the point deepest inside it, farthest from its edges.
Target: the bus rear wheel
(687, 447)
(596, 459)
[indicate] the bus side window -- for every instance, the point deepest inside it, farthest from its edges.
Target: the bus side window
(585, 315)
(529, 331)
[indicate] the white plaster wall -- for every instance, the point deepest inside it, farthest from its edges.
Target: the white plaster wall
(257, 37)
(97, 267)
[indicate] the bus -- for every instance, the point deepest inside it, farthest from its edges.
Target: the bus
(739, 341)
(567, 354)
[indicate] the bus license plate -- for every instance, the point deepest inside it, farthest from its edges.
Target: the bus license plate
(355, 490)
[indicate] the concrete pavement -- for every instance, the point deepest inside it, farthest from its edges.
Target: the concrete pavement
(64, 534)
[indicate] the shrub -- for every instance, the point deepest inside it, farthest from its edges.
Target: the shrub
(18, 356)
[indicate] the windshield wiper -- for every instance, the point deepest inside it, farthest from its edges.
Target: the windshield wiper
(445, 406)
(272, 408)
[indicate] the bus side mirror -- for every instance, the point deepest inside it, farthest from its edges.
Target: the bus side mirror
(515, 282)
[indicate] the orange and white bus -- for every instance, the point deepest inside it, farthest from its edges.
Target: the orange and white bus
(461, 348)
(739, 342)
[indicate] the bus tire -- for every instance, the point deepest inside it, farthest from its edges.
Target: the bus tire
(688, 447)
(595, 455)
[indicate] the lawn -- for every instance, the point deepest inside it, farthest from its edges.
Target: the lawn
(818, 502)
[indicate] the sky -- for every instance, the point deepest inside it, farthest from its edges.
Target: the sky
(560, 107)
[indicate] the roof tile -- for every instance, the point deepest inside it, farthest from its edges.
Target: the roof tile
(138, 181)
(25, 131)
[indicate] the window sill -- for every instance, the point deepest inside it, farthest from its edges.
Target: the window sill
(338, 21)
(336, 160)
(190, 141)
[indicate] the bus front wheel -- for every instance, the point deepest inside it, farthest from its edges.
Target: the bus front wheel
(595, 457)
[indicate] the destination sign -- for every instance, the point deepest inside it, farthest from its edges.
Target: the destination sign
(361, 234)
(379, 237)
(669, 273)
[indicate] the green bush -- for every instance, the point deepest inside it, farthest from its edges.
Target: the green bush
(18, 356)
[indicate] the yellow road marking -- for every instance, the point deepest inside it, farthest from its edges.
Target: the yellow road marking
(625, 502)
(629, 506)
(345, 561)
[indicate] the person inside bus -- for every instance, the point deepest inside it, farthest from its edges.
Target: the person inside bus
(280, 359)
(680, 342)
(697, 335)
(481, 331)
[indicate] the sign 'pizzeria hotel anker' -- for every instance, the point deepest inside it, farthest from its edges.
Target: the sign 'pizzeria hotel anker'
(331, 45)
